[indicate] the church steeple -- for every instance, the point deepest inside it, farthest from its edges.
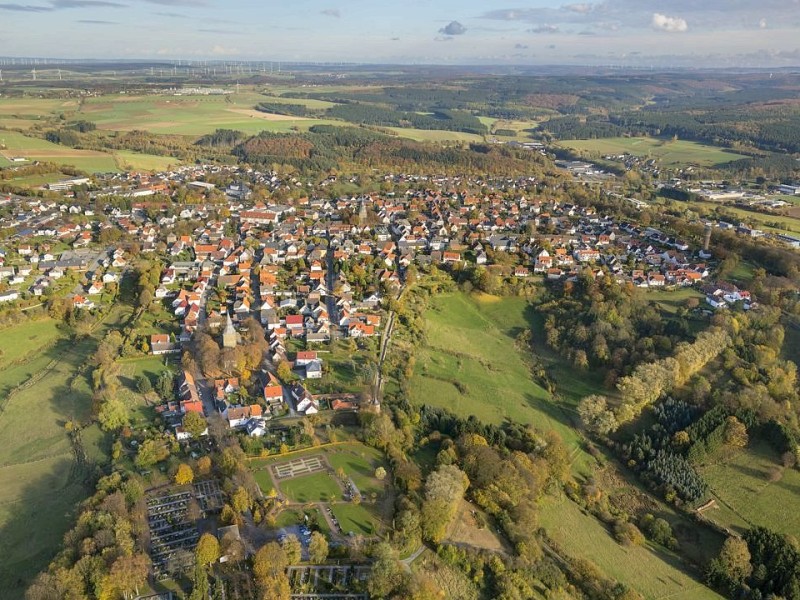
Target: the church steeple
(229, 336)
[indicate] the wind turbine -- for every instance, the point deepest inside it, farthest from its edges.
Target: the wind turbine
(34, 73)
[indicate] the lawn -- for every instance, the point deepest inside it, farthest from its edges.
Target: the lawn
(650, 570)
(357, 518)
(677, 153)
(40, 483)
(130, 371)
(317, 487)
(359, 463)
(21, 340)
(293, 516)
(471, 365)
(746, 497)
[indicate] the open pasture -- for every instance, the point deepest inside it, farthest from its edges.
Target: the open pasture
(652, 571)
(670, 153)
(750, 492)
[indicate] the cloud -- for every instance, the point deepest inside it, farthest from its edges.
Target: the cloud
(521, 46)
(580, 8)
(331, 12)
(170, 15)
(543, 29)
(453, 28)
(221, 31)
(443, 38)
(86, 4)
(178, 2)
(669, 24)
(96, 22)
(223, 51)
(25, 8)
(762, 24)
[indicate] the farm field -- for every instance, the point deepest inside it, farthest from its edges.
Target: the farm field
(745, 495)
(188, 115)
(650, 570)
(433, 135)
(755, 219)
(24, 113)
(470, 365)
(13, 143)
(40, 482)
(670, 153)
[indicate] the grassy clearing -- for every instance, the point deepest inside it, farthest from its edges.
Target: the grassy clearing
(670, 153)
(22, 340)
(471, 365)
(746, 496)
(143, 162)
(318, 487)
(358, 518)
(40, 483)
(434, 135)
(650, 570)
(293, 516)
(669, 301)
(13, 143)
(359, 464)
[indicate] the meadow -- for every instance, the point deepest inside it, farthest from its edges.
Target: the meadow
(188, 115)
(41, 484)
(471, 365)
(746, 494)
(650, 570)
(670, 153)
(13, 143)
(358, 518)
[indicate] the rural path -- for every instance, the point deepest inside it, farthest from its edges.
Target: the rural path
(407, 561)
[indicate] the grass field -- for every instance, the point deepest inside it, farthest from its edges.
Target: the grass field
(359, 463)
(653, 572)
(670, 153)
(470, 365)
(188, 115)
(40, 483)
(434, 135)
(318, 487)
(746, 497)
(754, 219)
(22, 340)
(13, 143)
(358, 518)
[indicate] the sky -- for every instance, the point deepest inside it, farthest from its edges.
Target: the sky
(694, 33)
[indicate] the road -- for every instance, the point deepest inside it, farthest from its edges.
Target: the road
(330, 299)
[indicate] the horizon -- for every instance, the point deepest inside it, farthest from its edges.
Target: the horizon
(720, 33)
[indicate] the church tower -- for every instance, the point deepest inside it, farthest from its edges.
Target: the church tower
(229, 336)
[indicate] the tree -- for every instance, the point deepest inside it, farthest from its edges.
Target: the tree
(318, 548)
(207, 550)
(285, 371)
(596, 415)
(129, 573)
(113, 414)
(151, 452)
(732, 565)
(241, 500)
(194, 424)
(291, 546)
(386, 574)
(735, 432)
(143, 384)
(380, 473)
(444, 490)
(184, 475)
(269, 568)
(164, 385)
(204, 465)
(628, 534)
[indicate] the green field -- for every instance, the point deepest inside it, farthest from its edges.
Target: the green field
(40, 482)
(187, 115)
(22, 340)
(470, 365)
(434, 135)
(746, 497)
(359, 464)
(670, 153)
(754, 219)
(318, 487)
(13, 143)
(652, 571)
(357, 518)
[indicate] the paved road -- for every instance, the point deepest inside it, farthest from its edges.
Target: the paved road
(333, 310)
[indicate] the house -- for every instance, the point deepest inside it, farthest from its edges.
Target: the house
(238, 416)
(304, 358)
(9, 296)
(160, 343)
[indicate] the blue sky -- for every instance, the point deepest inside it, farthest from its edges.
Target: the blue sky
(687, 32)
